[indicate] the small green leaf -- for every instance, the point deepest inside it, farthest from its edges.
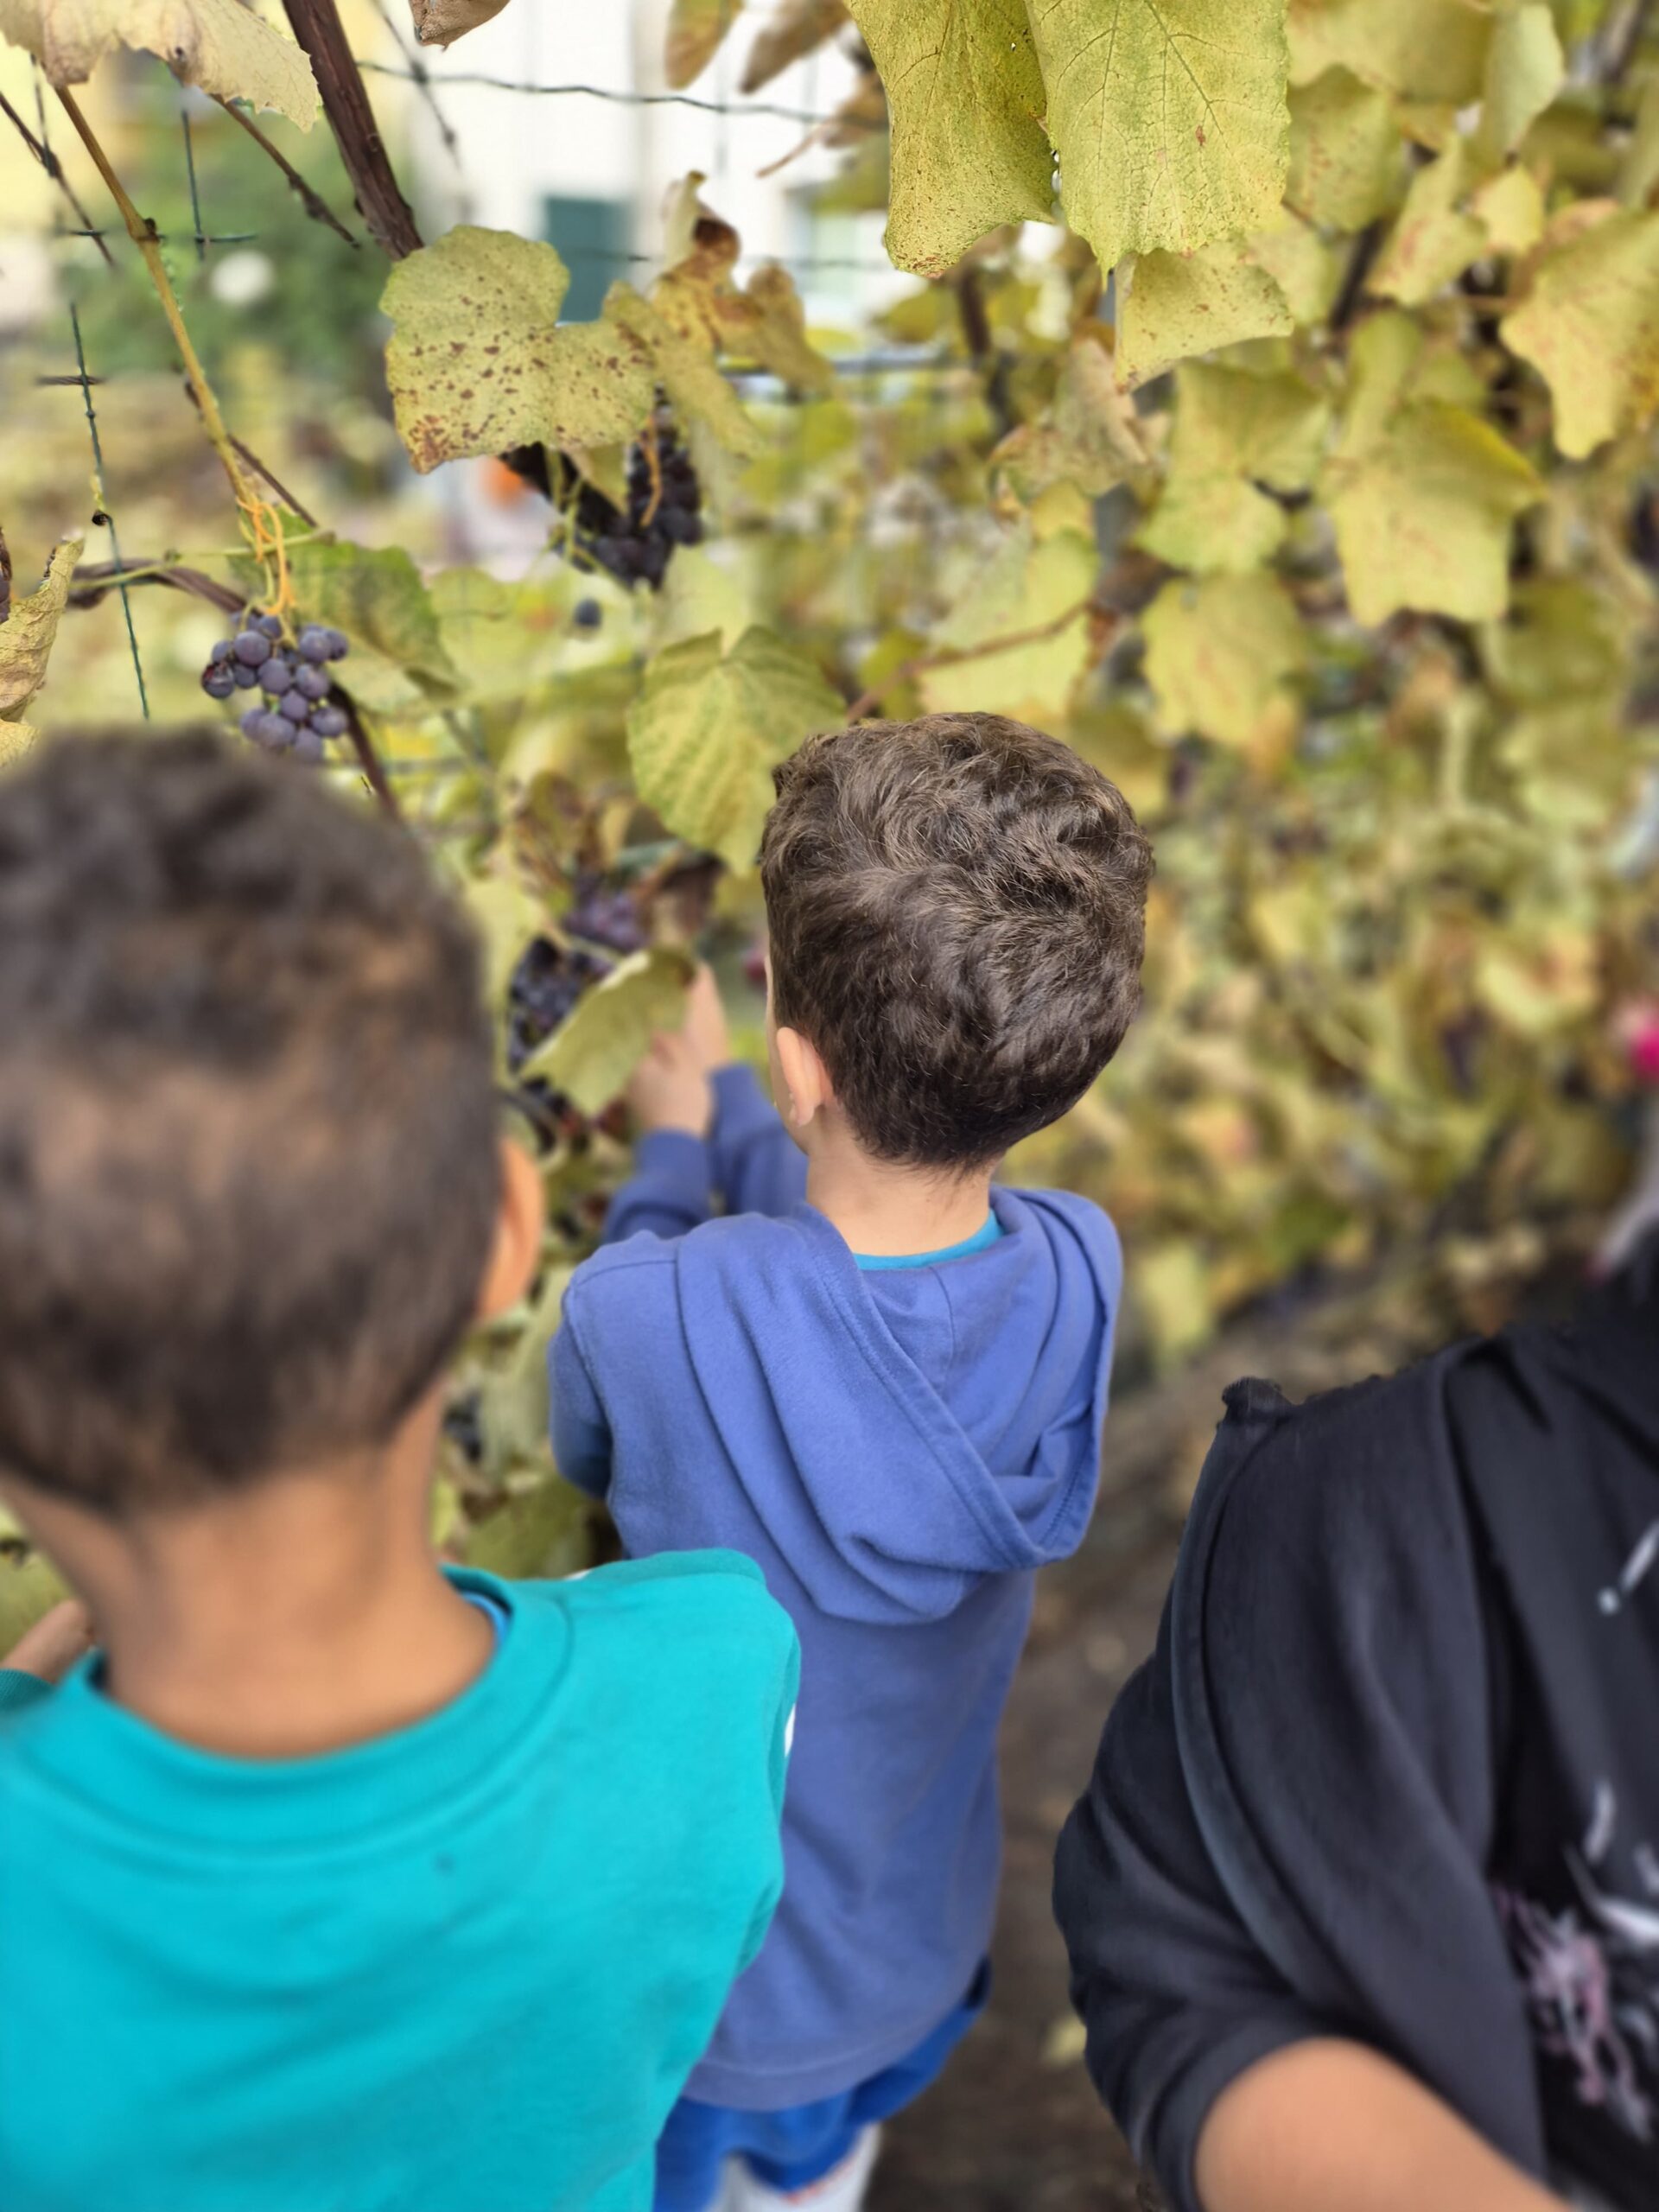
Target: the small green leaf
(1170, 121)
(1233, 432)
(1088, 436)
(707, 729)
(1433, 241)
(1525, 69)
(593, 1052)
(1223, 655)
(967, 101)
(547, 1532)
(1029, 584)
(1427, 49)
(375, 595)
(1346, 157)
(27, 634)
(1176, 305)
(478, 363)
(1589, 324)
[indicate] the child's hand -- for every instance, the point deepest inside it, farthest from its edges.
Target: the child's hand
(51, 1648)
(705, 1022)
(670, 1090)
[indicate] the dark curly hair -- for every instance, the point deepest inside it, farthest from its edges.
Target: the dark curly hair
(957, 913)
(248, 1163)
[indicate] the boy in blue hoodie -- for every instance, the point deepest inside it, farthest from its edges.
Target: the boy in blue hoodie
(334, 1882)
(875, 1375)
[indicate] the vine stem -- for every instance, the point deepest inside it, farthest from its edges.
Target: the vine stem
(143, 237)
(950, 657)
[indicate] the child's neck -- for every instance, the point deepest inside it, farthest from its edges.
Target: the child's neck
(891, 1212)
(293, 1618)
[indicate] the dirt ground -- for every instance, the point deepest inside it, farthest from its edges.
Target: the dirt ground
(1015, 2126)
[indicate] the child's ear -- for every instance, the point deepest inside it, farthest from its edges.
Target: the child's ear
(518, 1225)
(806, 1079)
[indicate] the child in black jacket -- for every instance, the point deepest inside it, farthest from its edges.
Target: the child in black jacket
(1363, 1902)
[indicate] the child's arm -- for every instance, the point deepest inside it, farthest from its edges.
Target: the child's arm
(1331, 2127)
(671, 1105)
(758, 1166)
(44, 1655)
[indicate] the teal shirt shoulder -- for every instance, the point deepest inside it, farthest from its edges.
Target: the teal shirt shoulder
(470, 1964)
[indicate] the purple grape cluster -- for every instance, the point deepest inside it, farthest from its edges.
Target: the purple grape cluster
(632, 549)
(604, 916)
(297, 713)
(545, 986)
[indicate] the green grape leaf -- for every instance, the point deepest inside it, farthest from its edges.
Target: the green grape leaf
(1223, 655)
(1347, 156)
(1563, 640)
(544, 1533)
(1589, 324)
(1174, 305)
(1510, 209)
(375, 595)
(967, 100)
(1234, 431)
(1525, 69)
(1423, 507)
(476, 365)
(697, 30)
(597, 1048)
(1029, 583)
(27, 634)
(1121, 743)
(1433, 241)
(1427, 49)
(217, 45)
(700, 393)
(1088, 435)
(793, 30)
(708, 727)
(1306, 270)
(702, 595)
(1169, 119)
(28, 1590)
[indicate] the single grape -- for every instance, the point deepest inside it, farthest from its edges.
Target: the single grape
(328, 722)
(307, 746)
(339, 643)
(296, 708)
(244, 675)
(223, 649)
(312, 683)
(589, 615)
(314, 643)
(654, 560)
(218, 683)
(275, 675)
(249, 620)
(271, 624)
(252, 648)
(679, 526)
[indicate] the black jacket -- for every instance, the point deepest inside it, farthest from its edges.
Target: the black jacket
(1393, 1770)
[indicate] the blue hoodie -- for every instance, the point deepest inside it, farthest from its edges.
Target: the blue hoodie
(899, 1451)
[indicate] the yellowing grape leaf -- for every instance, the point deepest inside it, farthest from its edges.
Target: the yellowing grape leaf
(27, 634)
(16, 740)
(475, 364)
(706, 729)
(1223, 655)
(596, 1048)
(216, 44)
(1168, 116)
(1433, 241)
(1306, 270)
(1346, 157)
(1031, 584)
(794, 29)
(967, 100)
(441, 23)
(1423, 509)
(1589, 324)
(1510, 209)
(1121, 743)
(697, 29)
(700, 393)
(1233, 432)
(1088, 435)
(1562, 640)
(1525, 69)
(701, 594)
(1175, 305)
(376, 595)
(1428, 50)
(697, 299)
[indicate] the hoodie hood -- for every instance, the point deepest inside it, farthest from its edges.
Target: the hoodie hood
(903, 1435)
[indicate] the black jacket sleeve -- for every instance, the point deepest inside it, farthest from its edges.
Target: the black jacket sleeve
(1287, 1830)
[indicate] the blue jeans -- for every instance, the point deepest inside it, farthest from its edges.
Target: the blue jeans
(793, 2148)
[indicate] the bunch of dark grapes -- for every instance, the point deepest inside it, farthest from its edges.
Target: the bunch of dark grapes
(637, 543)
(545, 986)
(297, 714)
(605, 916)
